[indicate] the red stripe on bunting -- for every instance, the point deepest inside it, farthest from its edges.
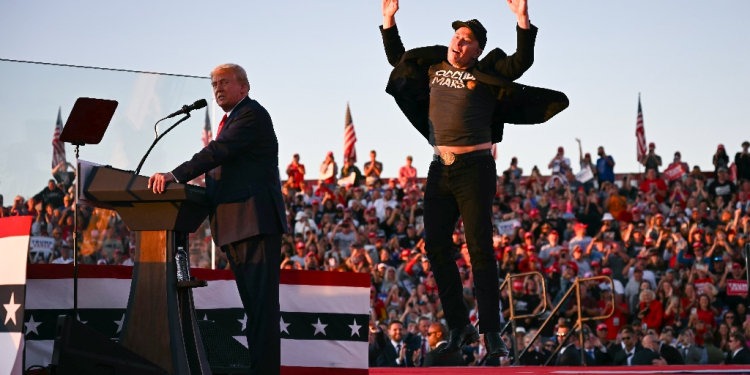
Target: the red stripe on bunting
(14, 226)
(325, 278)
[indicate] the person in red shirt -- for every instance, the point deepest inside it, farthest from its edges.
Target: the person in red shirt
(614, 323)
(654, 186)
(296, 173)
(651, 310)
(407, 175)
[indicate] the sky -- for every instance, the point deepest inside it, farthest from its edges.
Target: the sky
(307, 59)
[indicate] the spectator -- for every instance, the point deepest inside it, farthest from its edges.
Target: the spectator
(350, 174)
(605, 167)
(691, 353)
(328, 171)
(651, 160)
(721, 159)
(396, 353)
(714, 354)
(437, 339)
(569, 355)
(739, 354)
(742, 161)
(62, 176)
(650, 353)
(722, 187)
(373, 169)
(560, 165)
(407, 175)
(651, 311)
(678, 161)
(296, 173)
(652, 187)
(65, 256)
(50, 196)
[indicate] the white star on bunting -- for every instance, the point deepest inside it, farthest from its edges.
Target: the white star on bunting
(243, 321)
(283, 326)
(355, 328)
(11, 308)
(320, 328)
(31, 326)
(119, 323)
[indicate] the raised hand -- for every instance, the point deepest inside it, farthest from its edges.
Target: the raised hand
(390, 7)
(521, 10)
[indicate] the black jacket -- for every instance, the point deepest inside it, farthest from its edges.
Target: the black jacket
(742, 358)
(386, 353)
(644, 357)
(671, 355)
(433, 359)
(242, 176)
(570, 357)
(516, 103)
(620, 357)
(600, 359)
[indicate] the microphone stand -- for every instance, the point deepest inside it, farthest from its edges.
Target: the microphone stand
(138, 170)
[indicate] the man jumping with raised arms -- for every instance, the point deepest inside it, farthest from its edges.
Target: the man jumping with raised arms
(459, 103)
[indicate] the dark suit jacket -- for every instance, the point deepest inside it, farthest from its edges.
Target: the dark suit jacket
(742, 358)
(671, 355)
(386, 352)
(242, 176)
(620, 358)
(600, 359)
(644, 357)
(432, 359)
(517, 104)
(570, 357)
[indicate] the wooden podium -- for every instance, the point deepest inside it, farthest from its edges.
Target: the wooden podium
(160, 323)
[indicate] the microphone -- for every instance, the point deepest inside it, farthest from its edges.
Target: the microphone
(201, 103)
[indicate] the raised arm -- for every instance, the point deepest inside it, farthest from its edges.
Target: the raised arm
(394, 48)
(515, 65)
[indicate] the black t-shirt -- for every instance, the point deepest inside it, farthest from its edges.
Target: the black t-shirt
(722, 189)
(461, 108)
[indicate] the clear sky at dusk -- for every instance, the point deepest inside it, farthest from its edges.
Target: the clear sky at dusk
(306, 59)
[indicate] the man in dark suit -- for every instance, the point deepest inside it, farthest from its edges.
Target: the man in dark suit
(393, 350)
(569, 355)
(246, 208)
(437, 336)
(649, 355)
(623, 355)
(739, 354)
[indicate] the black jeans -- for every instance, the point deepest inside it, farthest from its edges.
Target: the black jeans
(255, 264)
(464, 188)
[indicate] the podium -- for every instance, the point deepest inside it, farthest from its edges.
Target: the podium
(160, 323)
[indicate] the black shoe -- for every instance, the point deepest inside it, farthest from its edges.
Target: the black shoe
(495, 345)
(459, 337)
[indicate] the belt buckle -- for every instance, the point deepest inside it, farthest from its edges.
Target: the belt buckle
(447, 158)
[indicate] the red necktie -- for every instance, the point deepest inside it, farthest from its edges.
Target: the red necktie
(221, 125)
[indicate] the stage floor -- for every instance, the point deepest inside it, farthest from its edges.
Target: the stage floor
(527, 370)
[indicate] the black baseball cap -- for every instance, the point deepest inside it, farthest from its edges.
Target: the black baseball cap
(476, 27)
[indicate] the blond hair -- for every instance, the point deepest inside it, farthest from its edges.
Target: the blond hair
(238, 71)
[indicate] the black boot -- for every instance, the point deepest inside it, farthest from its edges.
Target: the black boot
(495, 345)
(459, 337)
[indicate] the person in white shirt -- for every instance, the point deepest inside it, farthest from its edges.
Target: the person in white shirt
(65, 257)
(304, 224)
(328, 171)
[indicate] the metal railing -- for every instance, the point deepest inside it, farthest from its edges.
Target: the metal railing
(512, 319)
(576, 287)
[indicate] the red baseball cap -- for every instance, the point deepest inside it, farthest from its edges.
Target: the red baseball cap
(595, 263)
(651, 144)
(528, 235)
(300, 245)
(721, 146)
(648, 242)
(580, 226)
(736, 265)
(371, 235)
(606, 271)
(531, 248)
(601, 326)
(659, 216)
(642, 256)
(405, 253)
(697, 245)
(329, 153)
(553, 206)
(560, 149)
(636, 210)
(517, 285)
(554, 232)
(534, 212)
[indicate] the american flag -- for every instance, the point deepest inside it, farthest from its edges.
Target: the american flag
(640, 132)
(207, 135)
(350, 137)
(58, 148)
